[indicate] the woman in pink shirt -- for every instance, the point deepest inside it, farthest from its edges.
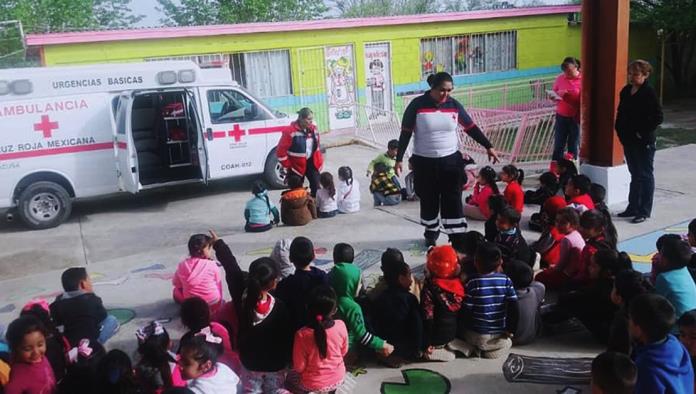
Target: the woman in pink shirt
(567, 88)
(319, 348)
(198, 275)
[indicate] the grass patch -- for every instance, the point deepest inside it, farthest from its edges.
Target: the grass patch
(671, 137)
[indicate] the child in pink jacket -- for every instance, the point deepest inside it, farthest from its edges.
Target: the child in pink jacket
(476, 206)
(319, 348)
(198, 275)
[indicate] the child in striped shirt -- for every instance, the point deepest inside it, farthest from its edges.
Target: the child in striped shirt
(490, 307)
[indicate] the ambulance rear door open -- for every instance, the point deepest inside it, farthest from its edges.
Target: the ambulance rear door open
(124, 147)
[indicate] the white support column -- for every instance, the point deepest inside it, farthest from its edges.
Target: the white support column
(615, 179)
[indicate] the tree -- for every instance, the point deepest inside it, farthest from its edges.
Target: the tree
(208, 12)
(475, 5)
(114, 14)
(366, 8)
(677, 21)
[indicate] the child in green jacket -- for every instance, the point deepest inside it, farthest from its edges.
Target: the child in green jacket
(345, 279)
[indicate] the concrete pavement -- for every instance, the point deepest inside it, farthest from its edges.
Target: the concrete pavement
(132, 244)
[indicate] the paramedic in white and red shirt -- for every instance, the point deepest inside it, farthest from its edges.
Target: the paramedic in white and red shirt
(438, 165)
(298, 149)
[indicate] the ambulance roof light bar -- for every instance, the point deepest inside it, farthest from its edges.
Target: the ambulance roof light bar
(170, 77)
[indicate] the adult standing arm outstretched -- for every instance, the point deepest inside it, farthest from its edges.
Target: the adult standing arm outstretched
(637, 117)
(438, 165)
(298, 149)
(567, 129)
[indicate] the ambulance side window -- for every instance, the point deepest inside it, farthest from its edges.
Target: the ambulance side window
(226, 106)
(121, 121)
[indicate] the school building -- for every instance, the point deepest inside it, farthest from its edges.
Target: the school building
(337, 66)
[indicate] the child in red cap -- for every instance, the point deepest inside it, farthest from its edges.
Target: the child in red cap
(441, 300)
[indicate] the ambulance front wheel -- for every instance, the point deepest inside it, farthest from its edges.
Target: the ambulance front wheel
(44, 205)
(274, 172)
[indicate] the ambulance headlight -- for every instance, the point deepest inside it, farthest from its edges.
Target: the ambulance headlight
(4, 88)
(187, 76)
(166, 77)
(21, 86)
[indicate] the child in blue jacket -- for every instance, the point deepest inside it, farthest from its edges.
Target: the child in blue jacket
(663, 363)
(260, 213)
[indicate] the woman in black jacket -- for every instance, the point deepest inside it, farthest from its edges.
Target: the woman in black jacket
(637, 117)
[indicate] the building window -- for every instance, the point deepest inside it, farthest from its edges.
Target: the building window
(265, 74)
(469, 54)
(212, 60)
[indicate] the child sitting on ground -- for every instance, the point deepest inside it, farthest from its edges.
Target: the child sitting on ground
(31, 372)
(281, 255)
(319, 347)
(569, 267)
(294, 289)
(345, 278)
(199, 366)
(297, 207)
(56, 344)
(657, 263)
(466, 246)
(348, 193)
(549, 243)
(497, 204)
(156, 370)
(613, 373)
(513, 191)
(80, 311)
(115, 374)
(510, 240)
(327, 207)
(265, 330)
(628, 285)
(390, 258)
(384, 190)
(663, 364)
(396, 316)
(548, 187)
(599, 232)
(441, 299)
(199, 275)
(598, 194)
(388, 159)
(566, 170)
(687, 333)
(476, 206)
(410, 189)
(530, 296)
(674, 282)
(691, 237)
(195, 315)
(491, 308)
(260, 213)
(577, 193)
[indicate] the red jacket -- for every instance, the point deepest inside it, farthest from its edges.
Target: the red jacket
(292, 149)
(514, 196)
(480, 198)
(582, 200)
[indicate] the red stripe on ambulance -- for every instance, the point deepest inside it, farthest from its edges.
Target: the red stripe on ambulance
(57, 151)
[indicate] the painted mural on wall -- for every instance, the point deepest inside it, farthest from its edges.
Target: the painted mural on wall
(340, 83)
(378, 71)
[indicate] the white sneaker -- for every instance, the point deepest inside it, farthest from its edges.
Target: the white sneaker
(440, 354)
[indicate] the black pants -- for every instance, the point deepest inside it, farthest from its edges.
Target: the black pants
(438, 184)
(312, 175)
(640, 159)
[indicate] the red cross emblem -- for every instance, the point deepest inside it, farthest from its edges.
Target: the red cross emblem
(236, 132)
(46, 126)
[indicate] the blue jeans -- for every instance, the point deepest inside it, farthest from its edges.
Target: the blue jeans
(640, 159)
(566, 131)
(325, 215)
(381, 199)
(109, 327)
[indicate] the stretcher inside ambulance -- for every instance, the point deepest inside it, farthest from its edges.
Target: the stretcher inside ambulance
(75, 132)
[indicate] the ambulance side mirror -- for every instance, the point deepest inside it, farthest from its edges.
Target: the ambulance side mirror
(209, 134)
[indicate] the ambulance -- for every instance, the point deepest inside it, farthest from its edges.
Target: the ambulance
(85, 131)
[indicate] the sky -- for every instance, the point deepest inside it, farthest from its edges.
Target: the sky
(152, 16)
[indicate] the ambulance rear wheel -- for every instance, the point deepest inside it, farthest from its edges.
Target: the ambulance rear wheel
(44, 205)
(274, 173)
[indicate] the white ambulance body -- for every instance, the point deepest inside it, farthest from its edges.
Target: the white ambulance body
(75, 132)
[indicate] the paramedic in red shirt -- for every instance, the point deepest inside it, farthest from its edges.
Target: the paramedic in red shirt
(438, 165)
(298, 149)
